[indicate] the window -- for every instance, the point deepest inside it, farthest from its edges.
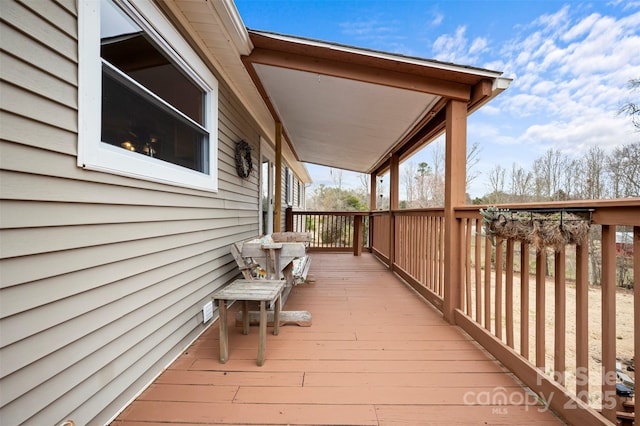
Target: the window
(148, 104)
(288, 189)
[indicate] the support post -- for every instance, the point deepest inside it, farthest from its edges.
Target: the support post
(373, 199)
(454, 196)
(394, 190)
(373, 196)
(277, 207)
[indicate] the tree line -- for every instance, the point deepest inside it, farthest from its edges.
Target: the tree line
(555, 176)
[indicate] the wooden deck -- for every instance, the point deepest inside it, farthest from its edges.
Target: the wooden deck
(376, 354)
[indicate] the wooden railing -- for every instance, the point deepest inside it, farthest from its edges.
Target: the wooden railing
(557, 319)
(418, 251)
(331, 231)
(540, 312)
(381, 237)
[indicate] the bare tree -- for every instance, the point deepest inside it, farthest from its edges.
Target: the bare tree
(496, 183)
(548, 172)
(473, 158)
(521, 183)
(570, 177)
(437, 177)
(632, 109)
(409, 182)
(364, 183)
(624, 170)
(592, 174)
(336, 177)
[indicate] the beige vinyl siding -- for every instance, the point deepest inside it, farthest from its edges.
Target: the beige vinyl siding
(103, 277)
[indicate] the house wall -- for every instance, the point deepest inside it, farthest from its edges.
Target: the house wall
(103, 277)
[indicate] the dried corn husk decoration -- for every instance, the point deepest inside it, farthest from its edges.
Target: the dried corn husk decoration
(537, 229)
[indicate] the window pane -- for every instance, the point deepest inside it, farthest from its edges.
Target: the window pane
(135, 121)
(132, 118)
(135, 56)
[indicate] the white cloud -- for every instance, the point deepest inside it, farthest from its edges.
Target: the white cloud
(555, 22)
(581, 28)
(458, 49)
(377, 34)
(571, 77)
(437, 19)
(577, 136)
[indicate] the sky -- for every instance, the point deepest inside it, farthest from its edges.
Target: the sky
(570, 61)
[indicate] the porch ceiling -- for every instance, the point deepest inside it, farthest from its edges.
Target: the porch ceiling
(342, 123)
(350, 108)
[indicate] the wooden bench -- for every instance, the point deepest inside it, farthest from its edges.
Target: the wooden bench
(274, 258)
(264, 291)
(300, 265)
(260, 258)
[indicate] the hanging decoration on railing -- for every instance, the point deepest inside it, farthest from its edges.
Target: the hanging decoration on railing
(538, 227)
(244, 164)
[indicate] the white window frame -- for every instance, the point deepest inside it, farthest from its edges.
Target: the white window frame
(93, 154)
(289, 187)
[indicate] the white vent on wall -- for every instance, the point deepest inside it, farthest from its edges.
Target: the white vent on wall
(207, 312)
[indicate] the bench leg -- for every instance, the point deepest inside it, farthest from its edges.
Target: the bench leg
(263, 333)
(276, 315)
(224, 343)
(245, 317)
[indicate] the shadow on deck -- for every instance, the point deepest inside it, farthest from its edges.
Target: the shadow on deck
(376, 354)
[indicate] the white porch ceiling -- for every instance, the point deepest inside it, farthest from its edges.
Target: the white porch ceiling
(338, 122)
(339, 106)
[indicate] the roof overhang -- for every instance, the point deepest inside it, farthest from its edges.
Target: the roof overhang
(350, 108)
(340, 106)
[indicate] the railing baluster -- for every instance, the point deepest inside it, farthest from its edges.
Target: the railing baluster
(467, 266)
(582, 322)
(428, 243)
(423, 249)
(509, 293)
(441, 256)
(541, 272)
(609, 322)
(524, 300)
(559, 364)
(636, 307)
(498, 299)
(478, 271)
(436, 259)
(487, 284)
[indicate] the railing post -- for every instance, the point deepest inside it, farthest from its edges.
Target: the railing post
(357, 235)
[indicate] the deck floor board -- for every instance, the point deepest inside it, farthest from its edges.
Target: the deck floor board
(375, 354)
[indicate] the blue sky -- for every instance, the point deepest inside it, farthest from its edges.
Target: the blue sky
(571, 63)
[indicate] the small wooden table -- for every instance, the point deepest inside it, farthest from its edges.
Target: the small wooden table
(263, 291)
